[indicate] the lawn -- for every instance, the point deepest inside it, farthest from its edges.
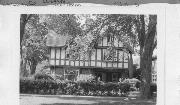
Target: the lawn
(29, 99)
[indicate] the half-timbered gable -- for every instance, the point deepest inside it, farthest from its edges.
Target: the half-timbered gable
(105, 62)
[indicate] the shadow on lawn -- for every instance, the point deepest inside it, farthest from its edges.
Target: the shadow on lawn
(101, 101)
(80, 100)
(116, 103)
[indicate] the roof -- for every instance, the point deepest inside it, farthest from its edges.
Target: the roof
(55, 40)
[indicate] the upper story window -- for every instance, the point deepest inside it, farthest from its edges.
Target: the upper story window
(52, 53)
(71, 54)
(67, 56)
(115, 55)
(110, 55)
(126, 57)
(67, 53)
(109, 41)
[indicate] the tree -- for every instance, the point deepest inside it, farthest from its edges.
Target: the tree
(33, 48)
(33, 31)
(147, 42)
(23, 21)
(135, 30)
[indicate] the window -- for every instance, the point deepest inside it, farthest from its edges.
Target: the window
(67, 56)
(70, 74)
(110, 38)
(125, 57)
(98, 76)
(110, 55)
(120, 56)
(52, 53)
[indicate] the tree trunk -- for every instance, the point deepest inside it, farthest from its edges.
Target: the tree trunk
(22, 27)
(23, 20)
(145, 64)
(131, 70)
(33, 67)
(146, 52)
(23, 71)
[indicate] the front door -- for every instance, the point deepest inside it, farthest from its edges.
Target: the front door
(98, 76)
(115, 77)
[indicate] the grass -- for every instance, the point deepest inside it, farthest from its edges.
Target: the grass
(26, 99)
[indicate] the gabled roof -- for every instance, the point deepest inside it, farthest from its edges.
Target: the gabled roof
(55, 40)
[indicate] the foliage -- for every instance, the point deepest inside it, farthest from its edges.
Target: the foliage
(153, 88)
(43, 76)
(33, 44)
(43, 67)
(137, 73)
(37, 86)
(42, 86)
(133, 30)
(85, 78)
(62, 24)
(137, 85)
(34, 30)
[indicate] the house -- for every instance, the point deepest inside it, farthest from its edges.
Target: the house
(107, 68)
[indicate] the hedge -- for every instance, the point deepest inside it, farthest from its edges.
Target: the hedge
(42, 86)
(153, 88)
(42, 76)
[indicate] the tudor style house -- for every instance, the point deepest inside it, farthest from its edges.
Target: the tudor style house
(107, 68)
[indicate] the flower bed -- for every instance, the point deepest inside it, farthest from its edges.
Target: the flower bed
(31, 86)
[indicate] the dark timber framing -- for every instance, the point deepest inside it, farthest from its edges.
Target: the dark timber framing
(94, 61)
(89, 61)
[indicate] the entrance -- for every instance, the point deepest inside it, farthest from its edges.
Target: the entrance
(101, 76)
(115, 77)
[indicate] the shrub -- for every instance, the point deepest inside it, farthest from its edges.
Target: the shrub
(85, 78)
(37, 86)
(153, 88)
(42, 76)
(125, 88)
(137, 85)
(134, 83)
(42, 86)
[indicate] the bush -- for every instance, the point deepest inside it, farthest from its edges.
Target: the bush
(125, 87)
(153, 88)
(37, 86)
(42, 76)
(85, 78)
(42, 86)
(137, 85)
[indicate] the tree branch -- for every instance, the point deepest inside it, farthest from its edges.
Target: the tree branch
(142, 31)
(152, 27)
(140, 25)
(28, 17)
